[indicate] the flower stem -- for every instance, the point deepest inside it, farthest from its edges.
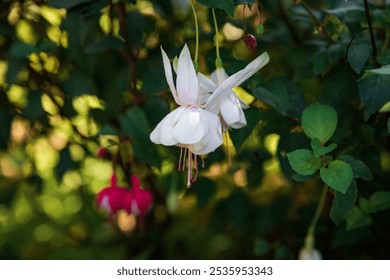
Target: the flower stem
(196, 36)
(218, 61)
(318, 212)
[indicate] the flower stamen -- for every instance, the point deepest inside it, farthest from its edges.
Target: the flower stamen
(189, 170)
(184, 159)
(180, 157)
(196, 168)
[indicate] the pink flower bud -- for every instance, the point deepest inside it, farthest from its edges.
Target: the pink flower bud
(101, 152)
(250, 42)
(111, 197)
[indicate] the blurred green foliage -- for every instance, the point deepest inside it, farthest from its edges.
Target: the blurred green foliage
(77, 75)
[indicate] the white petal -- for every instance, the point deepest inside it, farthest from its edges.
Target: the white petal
(218, 76)
(203, 96)
(211, 140)
(205, 84)
(191, 127)
(232, 112)
(243, 103)
(238, 78)
(187, 81)
(168, 75)
(163, 133)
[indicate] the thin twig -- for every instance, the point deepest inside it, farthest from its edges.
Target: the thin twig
(370, 28)
(317, 22)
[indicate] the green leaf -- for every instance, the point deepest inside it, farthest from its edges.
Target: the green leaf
(384, 70)
(275, 94)
(357, 56)
(105, 43)
(379, 201)
(138, 26)
(147, 152)
(304, 162)
(260, 247)
(320, 149)
(339, 87)
(34, 109)
(319, 121)
(239, 136)
(338, 175)
(68, 4)
(320, 62)
(388, 126)
(242, 2)
(15, 66)
(65, 163)
(135, 125)
(5, 124)
(343, 203)
(374, 91)
(356, 218)
(226, 5)
(20, 50)
(303, 178)
(79, 83)
(204, 191)
(153, 80)
(359, 168)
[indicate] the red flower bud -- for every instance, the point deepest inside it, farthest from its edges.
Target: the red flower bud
(250, 42)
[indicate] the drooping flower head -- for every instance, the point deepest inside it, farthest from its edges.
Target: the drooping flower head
(111, 198)
(138, 201)
(195, 125)
(135, 201)
(195, 130)
(224, 101)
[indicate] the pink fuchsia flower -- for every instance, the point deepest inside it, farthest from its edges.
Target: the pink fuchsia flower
(138, 201)
(250, 42)
(111, 198)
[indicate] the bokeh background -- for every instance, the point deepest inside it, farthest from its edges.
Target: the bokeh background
(78, 75)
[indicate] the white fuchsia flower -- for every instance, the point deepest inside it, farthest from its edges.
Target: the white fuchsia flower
(229, 106)
(195, 130)
(194, 125)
